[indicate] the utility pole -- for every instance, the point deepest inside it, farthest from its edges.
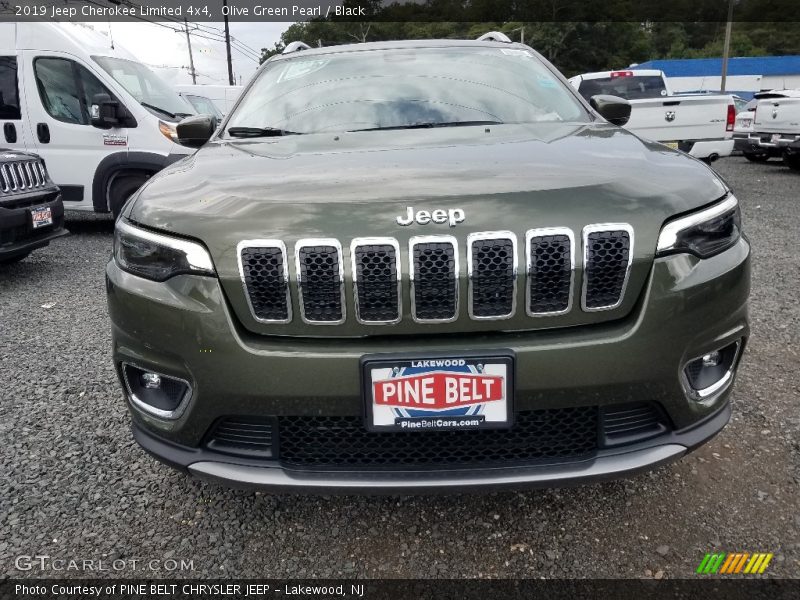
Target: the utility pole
(231, 80)
(191, 59)
(726, 50)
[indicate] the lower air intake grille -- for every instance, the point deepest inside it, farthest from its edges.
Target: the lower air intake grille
(265, 277)
(375, 271)
(493, 276)
(243, 437)
(435, 284)
(626, 423)
(541, 435)
(320, 271)
(607, 256)
(549, 273)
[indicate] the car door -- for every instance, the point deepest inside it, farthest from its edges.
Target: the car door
(59, 91)
(12, 127)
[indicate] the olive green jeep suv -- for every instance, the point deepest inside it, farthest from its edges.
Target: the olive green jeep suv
(425, 265)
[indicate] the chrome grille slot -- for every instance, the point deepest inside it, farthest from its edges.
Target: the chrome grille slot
(607, 257)
(376, 280)
(320, 281)
(434, 278)
(551, 265)
(492, 263)
(263, 268)
(24, 182)
(5, 179)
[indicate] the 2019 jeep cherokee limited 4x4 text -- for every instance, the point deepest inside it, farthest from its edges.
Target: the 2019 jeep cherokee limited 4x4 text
(426, 265)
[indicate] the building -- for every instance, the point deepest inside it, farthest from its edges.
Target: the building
(746, 75)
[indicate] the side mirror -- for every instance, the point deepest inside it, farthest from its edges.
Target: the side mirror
(106, 113)
(196, 130)
(613, 109)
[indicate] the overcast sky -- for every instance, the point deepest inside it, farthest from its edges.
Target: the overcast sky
(165, 51)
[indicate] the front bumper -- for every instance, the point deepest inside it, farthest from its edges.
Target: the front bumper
(17, 237)
(185, 328)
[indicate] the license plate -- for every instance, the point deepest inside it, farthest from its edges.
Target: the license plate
(424, 393)
(775, 137)
(673, 145)
(41, 217)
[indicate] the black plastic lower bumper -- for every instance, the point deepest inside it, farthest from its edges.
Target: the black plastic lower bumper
(606, 464)
(17, 235)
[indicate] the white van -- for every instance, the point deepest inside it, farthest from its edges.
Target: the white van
(206, 98)
(102, 121)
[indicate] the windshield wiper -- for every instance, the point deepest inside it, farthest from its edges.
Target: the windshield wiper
(251, 132)
(432, 124)
(159, 109)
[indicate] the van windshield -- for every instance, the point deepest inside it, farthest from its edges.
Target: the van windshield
(146, 87)
(403, 88)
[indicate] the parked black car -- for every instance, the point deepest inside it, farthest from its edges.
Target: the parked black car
(31, 210)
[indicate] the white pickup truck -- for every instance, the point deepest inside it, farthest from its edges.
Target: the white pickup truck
(701, 125)
(777, 126)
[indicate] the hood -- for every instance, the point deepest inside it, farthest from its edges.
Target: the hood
(348, 185)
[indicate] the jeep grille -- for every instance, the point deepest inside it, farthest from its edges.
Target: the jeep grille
(375, 267)
(20, 176)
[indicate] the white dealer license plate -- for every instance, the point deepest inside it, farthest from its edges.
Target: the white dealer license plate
(41, 217)
(438, 392)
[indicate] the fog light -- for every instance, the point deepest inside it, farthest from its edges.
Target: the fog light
(161, 395)
(152, 381)
(711, 373)
(711, 359)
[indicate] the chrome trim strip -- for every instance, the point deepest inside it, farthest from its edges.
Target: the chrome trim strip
(424, 239)
(490, 236)
(374, 241)
(6, 182)
(170, 415)
(13, 174)
(708, 394)
(668, 237)
(542, 232)
(21, 172)
(43, 171)
(196, 255)
(265, 244)
(599, 227)
(33, 180)
(304, 243)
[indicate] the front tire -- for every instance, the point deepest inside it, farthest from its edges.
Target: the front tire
(792, 161)
(123, 187)
(757, 157)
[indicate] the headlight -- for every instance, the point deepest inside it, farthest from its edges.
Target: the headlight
(158, 257)
(703, 233)
(168, 130)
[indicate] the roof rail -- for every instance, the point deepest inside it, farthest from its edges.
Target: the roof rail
(494, 36)
(295, 47)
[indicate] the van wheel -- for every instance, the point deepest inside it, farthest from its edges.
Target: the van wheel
(122, 187)
(792, 160)
(756, 157)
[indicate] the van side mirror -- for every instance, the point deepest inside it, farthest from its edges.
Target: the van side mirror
(106, 113)
(196, 130)
(613, 109)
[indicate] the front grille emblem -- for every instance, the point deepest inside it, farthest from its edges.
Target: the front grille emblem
(452, 216)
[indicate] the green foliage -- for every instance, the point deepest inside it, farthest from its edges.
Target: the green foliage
(574, 47)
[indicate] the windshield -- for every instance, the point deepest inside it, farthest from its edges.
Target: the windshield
(203, 105)
(146, 87)
(399, 88)
(629, 87)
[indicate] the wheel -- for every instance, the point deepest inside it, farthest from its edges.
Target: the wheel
(756, 157)
(792, 160)
(13, 259)
(122, 187)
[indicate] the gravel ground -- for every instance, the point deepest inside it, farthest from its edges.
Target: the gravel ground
(75, 485)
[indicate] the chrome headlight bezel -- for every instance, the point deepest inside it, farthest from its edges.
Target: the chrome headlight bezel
(703, 233)
(156, 256)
